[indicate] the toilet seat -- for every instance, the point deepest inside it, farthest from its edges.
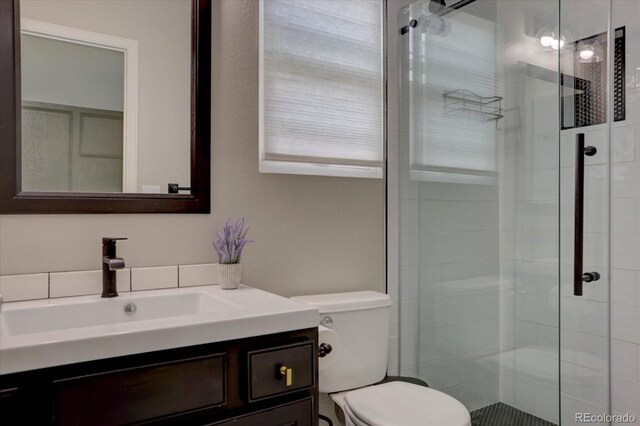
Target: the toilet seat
(403, 404)
(350, 418)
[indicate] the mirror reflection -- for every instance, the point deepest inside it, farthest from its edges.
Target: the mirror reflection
(106, 95)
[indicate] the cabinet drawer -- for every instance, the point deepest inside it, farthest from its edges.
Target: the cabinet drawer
(137, 394)
(298, 413)
(269, 368)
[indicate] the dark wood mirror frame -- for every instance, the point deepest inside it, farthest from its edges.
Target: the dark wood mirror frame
(14, 201)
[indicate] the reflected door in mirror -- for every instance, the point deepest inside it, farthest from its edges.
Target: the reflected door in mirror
(106, 95)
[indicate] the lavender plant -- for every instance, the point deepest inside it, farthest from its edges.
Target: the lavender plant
(230, 243)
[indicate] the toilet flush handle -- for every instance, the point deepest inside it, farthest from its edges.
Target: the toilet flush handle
(327, 321)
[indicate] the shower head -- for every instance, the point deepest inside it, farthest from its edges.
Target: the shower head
(433, 24)
(436, 6)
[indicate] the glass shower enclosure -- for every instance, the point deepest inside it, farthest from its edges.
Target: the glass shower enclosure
(503, 188)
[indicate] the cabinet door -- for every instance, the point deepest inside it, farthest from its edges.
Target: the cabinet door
(142, 393)
(299, 413)
(9, 407)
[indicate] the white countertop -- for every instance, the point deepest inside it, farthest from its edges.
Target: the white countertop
(45, 333)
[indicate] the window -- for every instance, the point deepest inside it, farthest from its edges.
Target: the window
(321, 87)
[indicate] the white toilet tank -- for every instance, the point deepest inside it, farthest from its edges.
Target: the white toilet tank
(361, 320)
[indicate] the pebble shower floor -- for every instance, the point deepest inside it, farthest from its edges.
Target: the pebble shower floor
(500, 414)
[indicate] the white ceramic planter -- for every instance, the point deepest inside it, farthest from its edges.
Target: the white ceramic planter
(229, 276)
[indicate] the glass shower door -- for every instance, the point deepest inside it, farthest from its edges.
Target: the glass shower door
(592, 64)
(493, 96)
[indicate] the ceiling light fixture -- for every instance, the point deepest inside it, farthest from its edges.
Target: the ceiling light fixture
(587, 52)
(546, 40)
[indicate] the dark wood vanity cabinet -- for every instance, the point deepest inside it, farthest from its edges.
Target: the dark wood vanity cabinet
(263, 381)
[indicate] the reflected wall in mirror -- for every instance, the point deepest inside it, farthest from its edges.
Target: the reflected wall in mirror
(105, 95)
(105, 106)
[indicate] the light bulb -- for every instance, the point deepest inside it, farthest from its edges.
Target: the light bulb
(557, 44)
(546, 40)
(586, 53)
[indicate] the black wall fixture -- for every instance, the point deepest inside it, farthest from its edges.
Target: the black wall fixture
(584, 99)
(619, 99)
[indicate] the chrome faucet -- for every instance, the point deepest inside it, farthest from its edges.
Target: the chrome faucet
(110, 264)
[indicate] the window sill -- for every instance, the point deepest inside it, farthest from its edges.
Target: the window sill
(317, 169)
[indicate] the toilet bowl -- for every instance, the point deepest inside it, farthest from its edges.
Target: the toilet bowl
(361, 322)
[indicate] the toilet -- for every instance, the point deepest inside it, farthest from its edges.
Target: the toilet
(349, 373)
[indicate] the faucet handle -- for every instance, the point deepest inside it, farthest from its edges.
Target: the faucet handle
(111, 240)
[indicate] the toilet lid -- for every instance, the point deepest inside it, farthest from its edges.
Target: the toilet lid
(405, 404)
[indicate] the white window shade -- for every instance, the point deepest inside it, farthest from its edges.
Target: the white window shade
(321, 87)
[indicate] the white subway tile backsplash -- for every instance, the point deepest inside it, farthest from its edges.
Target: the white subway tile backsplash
(154, 277)
(24, 287)
(193, 275)
(79, 283)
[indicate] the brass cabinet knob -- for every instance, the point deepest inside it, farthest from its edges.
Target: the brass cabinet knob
(287, 373)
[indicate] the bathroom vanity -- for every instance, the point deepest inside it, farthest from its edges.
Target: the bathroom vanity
(259, 365)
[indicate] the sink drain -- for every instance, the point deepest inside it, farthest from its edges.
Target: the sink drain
(130, 308)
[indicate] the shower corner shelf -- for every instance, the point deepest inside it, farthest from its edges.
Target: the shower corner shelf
(468, 104)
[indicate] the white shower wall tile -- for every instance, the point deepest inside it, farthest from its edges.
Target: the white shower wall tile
(624, 287)
(624, 144)
(625, 361)
(408, 215)
(624, 251)
(393, 361)
(624, 215)
(624, 323)
(626, 394)
(625, 180)
(409, 280)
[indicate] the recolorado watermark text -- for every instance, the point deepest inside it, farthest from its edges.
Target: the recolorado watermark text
(604, 418)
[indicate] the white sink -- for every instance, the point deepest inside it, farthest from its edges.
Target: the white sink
(45, 333)
(75, 313)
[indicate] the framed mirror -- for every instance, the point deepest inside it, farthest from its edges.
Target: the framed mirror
(105, 107)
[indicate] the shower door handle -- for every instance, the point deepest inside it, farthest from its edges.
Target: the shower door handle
(579, 277)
